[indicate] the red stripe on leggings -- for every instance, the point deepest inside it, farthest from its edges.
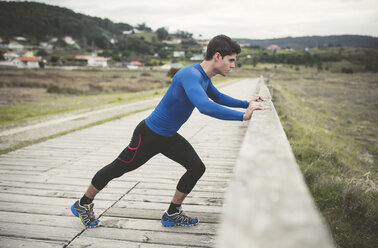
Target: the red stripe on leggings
(131, 148)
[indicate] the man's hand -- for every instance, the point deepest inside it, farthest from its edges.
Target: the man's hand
(252, 107)
(255, 98)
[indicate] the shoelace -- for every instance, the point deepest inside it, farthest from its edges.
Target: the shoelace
(183, 217)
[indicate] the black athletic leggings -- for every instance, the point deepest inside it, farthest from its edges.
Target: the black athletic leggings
(145, 144)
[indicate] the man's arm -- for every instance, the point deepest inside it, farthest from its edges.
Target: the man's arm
(223, 99)
(200, 100)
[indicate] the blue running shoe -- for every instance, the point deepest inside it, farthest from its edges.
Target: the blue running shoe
(178, 219)
(85, 213)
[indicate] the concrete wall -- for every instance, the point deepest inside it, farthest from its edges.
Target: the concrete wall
(268, 203)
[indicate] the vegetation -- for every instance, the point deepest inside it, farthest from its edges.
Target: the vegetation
(119, 41)
(36, 93)
(334, 59)
(316, 41)
(331, 122)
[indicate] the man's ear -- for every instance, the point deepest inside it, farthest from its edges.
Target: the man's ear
(217, 56)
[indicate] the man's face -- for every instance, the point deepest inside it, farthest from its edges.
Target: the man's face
(226, 64)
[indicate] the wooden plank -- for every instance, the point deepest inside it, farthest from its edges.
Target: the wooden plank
(111, 222)
(85, 181)
(49, 201)
(123, 187)
(38, 232)
(40, 219)
(95, 242)
(216, 187)
(155, 225)
(205, 201)
(152, 237)
(155, 214)
(163, 206)
(55, 193)
(170, 193)
(41, 209)
(11, 242)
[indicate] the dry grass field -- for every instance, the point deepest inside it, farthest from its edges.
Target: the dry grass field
(31, 94)
(331, 121)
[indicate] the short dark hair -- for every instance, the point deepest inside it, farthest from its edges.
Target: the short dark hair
(223, 45)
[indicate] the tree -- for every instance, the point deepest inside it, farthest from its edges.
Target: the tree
(41, 52)
(162, 33)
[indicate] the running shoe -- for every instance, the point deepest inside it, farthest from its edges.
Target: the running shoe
(85, 213)
(178, 219)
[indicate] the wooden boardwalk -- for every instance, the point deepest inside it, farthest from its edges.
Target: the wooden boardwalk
(39, 183)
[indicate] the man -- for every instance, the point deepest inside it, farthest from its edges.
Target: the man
(191, 87)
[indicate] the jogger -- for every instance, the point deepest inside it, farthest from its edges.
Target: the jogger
(191, 88)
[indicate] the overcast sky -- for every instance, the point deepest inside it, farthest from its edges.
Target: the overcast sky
(255, 19)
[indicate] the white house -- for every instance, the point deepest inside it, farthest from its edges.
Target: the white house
(178, 54)
(197, 57)
(172, 42)
(134, 65)
(169, 66)
(98, 61)
(14, 45)
(26, 62)
(9, 56)
(94, 60)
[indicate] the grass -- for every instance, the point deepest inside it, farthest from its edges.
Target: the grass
(28, 143)
(331, 122)
(30, 94)
(15, 114)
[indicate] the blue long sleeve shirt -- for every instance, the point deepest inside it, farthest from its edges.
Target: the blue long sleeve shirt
(191, 88)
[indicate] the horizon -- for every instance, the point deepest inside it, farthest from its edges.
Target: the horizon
(284, 19)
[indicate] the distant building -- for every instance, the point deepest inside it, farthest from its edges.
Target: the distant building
(69, 40)
(169, 66)
(244, 44)
(28, 54)
(172, 42)
(127, 32)
(14, 45)
(134, 65)
(178, 54)
(95, 61)
(9, 56)
(20, 38)
(98, 62)
(26, 62)
(54, 39)
(273, 48)
(197, 57)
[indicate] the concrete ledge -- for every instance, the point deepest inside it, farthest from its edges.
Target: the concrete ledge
(268, 203)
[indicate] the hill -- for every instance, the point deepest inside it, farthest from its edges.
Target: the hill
(315, 41)
(38, 21)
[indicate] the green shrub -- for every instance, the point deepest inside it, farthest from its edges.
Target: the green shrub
(171, 73)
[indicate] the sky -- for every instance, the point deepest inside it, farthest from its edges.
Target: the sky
(254, 19)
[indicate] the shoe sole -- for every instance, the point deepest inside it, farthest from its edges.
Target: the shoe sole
(179, 224)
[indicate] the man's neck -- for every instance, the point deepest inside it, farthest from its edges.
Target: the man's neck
(208, 67)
